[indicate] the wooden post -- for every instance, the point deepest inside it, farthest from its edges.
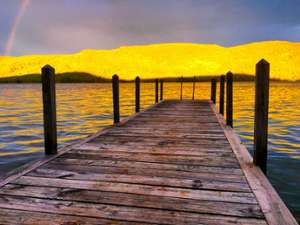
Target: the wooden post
(194, 88)
(261, 114)
(161, 89)
(156, 91)
(181, 86)
(137, 94)
(116, 104)
(222, 83)
(213, 90)
(49, 105)
(229, 99)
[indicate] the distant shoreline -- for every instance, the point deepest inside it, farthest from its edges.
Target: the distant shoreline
(81, 77)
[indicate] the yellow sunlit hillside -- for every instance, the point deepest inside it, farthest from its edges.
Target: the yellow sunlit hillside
(165, 60)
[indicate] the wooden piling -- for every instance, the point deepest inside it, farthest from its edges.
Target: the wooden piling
(222, 89)
(156, 91)
(161, 89)
(137, 94)
(49, 106)
(213, 90)
(261, 114)
(229, 99)
(181, 87)
(194, 84)
(116, 101)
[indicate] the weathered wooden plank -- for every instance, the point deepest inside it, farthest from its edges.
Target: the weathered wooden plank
(222, 196)
(146, 165)
(180, 114)
(149, 172)
(162, 158)
(204, 184)
(161, 141)
(153, 124)
(90, 147)
(200, 116)
(24, 217)
(135, 177)
(180, 111)
(174, 128)
(163, 149)
(118, 212)
(163, 145)
(185, 135)
(203, 120)
(146, 201)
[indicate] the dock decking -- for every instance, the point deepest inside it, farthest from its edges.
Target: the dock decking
(175, 163)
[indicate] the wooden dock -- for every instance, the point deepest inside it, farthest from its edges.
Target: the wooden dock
(175, 163)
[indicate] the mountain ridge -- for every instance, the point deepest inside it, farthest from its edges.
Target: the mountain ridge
(165, 60)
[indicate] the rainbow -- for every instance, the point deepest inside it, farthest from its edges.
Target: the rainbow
(11, 37)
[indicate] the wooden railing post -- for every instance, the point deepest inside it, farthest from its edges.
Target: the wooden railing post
(49, 106)
(261, 114)
(137, 94)
(222, 88)
(181, 87)
(194, 84)
(229, 99)
(161, 89)
(116, 103)
(156, 91)
(213, 93)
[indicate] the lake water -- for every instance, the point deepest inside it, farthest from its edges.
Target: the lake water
(85, 108)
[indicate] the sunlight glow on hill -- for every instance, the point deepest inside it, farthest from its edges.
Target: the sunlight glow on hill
(166, 60)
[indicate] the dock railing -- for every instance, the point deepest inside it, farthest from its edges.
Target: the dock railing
(261, 106)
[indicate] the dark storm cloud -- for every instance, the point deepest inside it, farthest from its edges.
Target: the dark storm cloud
(59, 26)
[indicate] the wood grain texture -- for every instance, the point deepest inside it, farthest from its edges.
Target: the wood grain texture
(147, 201)
(171, 164)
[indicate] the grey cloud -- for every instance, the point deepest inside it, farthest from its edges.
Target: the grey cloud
(59, 26)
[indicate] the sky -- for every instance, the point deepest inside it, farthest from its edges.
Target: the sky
(68, 26)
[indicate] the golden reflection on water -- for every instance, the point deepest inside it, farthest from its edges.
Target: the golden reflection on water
(83, 109)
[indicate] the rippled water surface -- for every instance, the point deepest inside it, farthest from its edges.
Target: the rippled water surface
(85, 108)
